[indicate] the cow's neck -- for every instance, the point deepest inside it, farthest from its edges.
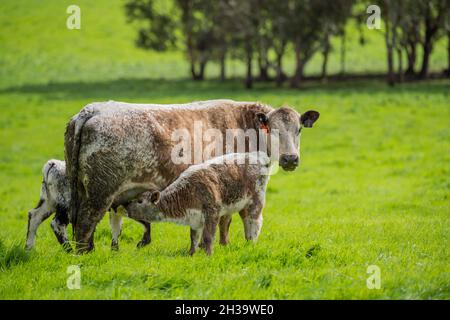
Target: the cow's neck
(247, 115)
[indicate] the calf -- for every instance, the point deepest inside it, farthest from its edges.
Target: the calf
(205, 192)
(55, 198)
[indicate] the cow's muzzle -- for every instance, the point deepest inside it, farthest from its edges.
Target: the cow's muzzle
(289, 162)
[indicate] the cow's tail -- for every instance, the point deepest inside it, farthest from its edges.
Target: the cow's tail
(72, 151)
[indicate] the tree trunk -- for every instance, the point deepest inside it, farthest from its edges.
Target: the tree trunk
(263, 65)
(390, 53)
(343, 52)
(193, 71)
(390, 38)
(391, 77)
(430, 30)
(400, 65)
(325, 54)
(223, 66)
(426, 58)
(199, 74)
(411, 56)
(249, 78)
(279, 67)
(448, 54)
(298, 75)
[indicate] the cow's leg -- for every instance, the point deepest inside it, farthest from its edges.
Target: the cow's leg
(59, 227)
(115, 222)
(224, 228)
(35, 217)
(253, 219)
(87, 219)
(146, 237)
(196, 237)
(209, 232)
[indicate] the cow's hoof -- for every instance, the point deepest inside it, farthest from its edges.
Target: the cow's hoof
(67, 247)
(142, 243)
(224, 242)
(115, 247)
(84, 249)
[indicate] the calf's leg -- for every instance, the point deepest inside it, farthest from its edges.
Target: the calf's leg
(196, 236)
(224, 228)
(59, 227)
(146, 237)
(115, 222)
(35, 217)
(209, 232)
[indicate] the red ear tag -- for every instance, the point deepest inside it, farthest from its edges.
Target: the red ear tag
(265, 128)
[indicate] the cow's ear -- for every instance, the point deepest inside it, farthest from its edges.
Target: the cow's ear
(308, 118)
(155, 197)
(262, 119)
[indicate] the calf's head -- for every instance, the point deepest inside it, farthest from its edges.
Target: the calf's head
(288, 123)
(145, 205)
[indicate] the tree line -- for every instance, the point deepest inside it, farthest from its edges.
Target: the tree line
(261, 32)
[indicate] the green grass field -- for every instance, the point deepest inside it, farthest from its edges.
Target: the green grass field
(372, 189)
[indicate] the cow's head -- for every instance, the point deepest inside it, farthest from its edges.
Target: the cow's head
(289, 124)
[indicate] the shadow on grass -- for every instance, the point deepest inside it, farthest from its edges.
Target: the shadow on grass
(127, 89)
(13, 255)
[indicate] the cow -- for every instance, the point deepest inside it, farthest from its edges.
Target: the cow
(115, 150)
(55, 198)
(210, 190)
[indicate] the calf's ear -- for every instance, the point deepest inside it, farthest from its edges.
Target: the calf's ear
(155, 197)
(308, 118)
(262, 119)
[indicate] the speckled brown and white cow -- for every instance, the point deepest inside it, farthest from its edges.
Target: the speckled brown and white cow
(201, 195)
(115, 151)
(55, 198)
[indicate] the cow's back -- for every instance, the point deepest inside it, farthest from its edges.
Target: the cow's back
(127, 146)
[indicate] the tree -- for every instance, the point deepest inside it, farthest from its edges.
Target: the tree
(410, 33)
(434, 14)
(158, 33)
(334, 17)
(192, 17)
(304, 35)
(447, 27)
(313, 22)
(392, 10)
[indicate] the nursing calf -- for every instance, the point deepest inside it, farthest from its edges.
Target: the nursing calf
(54, 198)
(205, 192)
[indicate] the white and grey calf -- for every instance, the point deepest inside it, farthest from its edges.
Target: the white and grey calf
(55, 198)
